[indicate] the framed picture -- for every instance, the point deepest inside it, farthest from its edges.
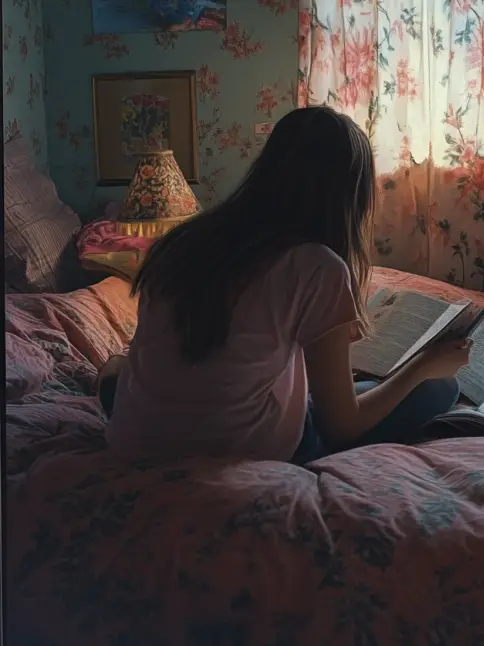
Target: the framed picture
(128, 16)
(139, 113)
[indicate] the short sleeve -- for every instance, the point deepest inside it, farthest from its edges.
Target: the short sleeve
(324, 300)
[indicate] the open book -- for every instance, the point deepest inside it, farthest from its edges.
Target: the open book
(404, 323)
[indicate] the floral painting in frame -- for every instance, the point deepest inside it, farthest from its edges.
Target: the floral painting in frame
(130, 16)
(141, 113)
(145, 123)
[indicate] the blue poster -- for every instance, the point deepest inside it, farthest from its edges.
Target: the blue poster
(128, 16)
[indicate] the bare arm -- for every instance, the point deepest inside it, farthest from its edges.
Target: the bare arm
(328, 365)
(326, 309)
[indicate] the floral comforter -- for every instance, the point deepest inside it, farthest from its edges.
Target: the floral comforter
(377, 546)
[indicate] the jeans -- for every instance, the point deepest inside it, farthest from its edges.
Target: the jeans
(402, 425)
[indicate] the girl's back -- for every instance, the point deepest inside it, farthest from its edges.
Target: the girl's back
(247, 397)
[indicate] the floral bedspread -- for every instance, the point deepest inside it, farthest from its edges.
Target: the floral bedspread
(377, 546)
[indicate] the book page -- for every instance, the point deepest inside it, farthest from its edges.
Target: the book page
(471, 377)
(378, 299)
(399, 322)
(452, 314)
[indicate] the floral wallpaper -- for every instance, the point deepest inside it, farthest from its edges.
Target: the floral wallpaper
(246, 78)
(23, 75)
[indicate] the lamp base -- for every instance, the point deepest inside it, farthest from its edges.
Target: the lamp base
(147, 228)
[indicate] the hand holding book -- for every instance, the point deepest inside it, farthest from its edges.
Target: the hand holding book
(444, 358)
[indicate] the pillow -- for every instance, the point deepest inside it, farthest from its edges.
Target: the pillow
(40, 255)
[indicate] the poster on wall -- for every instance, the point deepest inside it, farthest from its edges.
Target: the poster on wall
(130, 16)
(142, 113)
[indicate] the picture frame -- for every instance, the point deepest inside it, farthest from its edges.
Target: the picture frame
(143, 112)
(131, 16)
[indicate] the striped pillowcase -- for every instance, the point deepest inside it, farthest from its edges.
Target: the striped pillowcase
(40, 254)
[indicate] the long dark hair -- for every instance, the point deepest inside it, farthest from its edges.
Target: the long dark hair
(314, 181)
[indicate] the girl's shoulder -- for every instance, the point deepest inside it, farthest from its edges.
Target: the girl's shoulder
(313, 258)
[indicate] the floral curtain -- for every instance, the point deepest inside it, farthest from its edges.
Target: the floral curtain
(411, 73)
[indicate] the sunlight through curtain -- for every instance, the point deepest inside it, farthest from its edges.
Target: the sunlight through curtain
(411, 73)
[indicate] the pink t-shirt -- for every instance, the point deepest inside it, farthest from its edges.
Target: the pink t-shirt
(250, 397)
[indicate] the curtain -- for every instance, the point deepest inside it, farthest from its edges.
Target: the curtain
(411, 73)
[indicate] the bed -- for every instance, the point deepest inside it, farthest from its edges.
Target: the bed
(373, 547)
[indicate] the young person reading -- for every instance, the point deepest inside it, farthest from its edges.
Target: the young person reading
(253, 303)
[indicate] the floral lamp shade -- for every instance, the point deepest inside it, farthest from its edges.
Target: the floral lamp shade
(158, 198)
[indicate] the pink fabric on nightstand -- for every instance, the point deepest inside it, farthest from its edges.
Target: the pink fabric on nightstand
(100, 236)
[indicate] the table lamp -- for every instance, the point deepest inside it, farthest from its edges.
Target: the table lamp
(158, 198)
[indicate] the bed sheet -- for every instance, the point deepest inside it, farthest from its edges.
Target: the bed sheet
(378, 546)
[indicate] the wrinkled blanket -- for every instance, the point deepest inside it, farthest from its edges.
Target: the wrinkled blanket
(378, 546)
(55, 345)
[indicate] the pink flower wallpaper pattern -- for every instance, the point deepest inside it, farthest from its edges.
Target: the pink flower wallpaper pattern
(24, 76)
